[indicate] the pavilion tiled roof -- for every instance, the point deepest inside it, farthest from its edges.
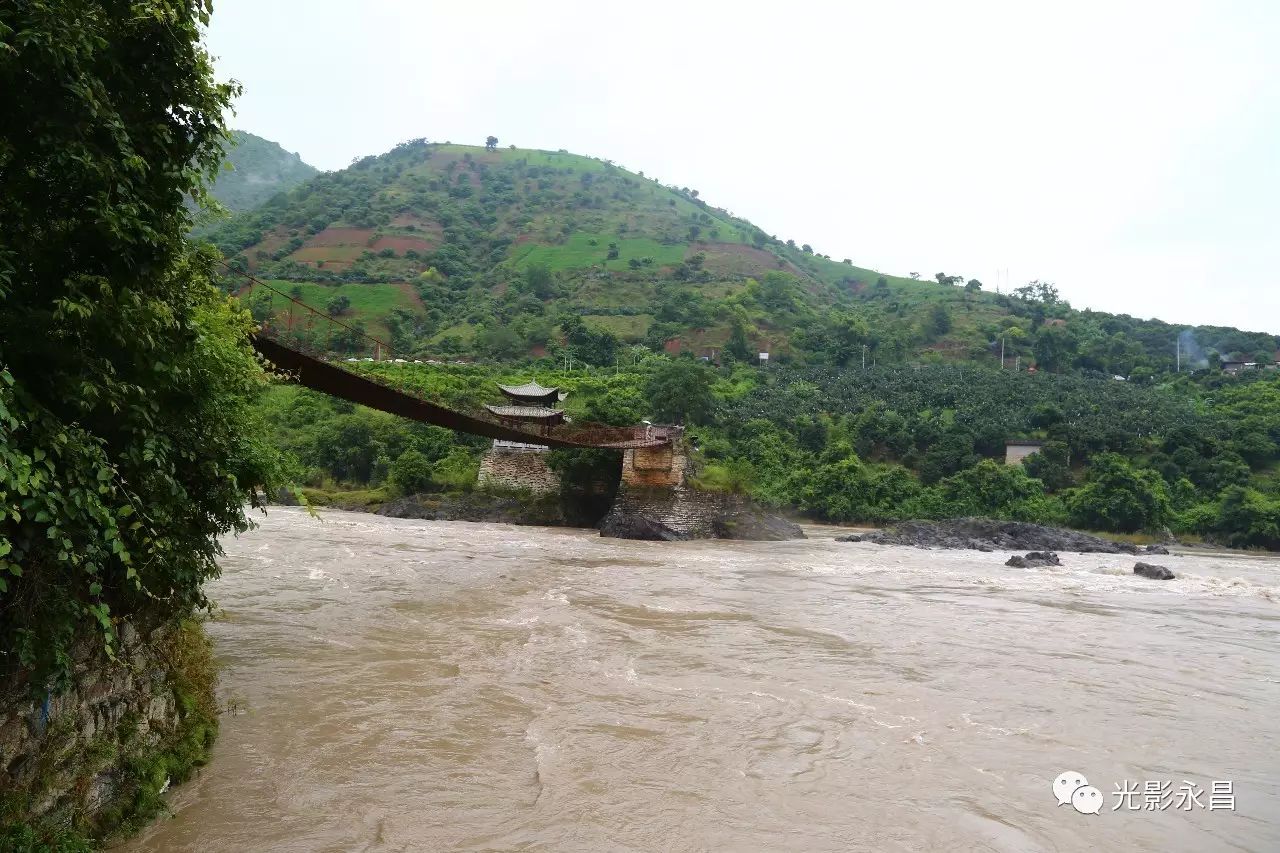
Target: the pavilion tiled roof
(532, 412)
(529, 389)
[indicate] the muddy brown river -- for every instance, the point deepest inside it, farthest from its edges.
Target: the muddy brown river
(404, 686)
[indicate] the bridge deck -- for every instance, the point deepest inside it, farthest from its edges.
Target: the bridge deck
(337, 382)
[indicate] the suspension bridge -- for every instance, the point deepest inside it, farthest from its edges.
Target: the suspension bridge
(311, 348)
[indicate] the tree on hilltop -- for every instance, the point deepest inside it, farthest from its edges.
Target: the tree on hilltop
(1038, 291)
(1055, 348)
(491, 142)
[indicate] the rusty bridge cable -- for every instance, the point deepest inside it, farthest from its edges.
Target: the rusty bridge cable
(338, 382)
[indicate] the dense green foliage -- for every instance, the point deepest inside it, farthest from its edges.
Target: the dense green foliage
(127, 438)
(1121, 497)
(336, 443)
(1200, 455)
(506, 253)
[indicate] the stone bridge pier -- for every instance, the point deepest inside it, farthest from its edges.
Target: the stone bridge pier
(656, 467)
(655, 499)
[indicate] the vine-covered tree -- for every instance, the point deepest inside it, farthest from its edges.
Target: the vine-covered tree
(127, 442)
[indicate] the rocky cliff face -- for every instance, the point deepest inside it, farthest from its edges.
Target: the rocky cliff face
(93, 759)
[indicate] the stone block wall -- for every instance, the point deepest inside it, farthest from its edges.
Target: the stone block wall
(518, 469)
(656, 466)
(686, 510)
(64, 756)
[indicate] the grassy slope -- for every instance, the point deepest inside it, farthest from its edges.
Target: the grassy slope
(564, 213)
(369, 305)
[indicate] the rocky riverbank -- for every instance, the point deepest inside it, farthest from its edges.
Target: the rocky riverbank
(987, 534)
(671, 515)
(725, 516)
(543, 511)
(92, 760)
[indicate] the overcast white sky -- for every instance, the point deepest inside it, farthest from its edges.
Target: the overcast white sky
(1128, 151)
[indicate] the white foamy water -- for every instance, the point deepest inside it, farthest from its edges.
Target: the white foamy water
(451, 686)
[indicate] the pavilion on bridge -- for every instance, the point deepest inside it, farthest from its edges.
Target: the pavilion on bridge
(531, 405)
(522, 464)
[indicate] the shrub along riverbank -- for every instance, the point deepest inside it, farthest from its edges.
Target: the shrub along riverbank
(129, 440)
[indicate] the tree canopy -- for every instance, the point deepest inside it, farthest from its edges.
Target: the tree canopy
(127, 439)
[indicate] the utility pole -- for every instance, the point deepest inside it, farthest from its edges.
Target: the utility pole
(1177, 353)
(1002, 353)
(864, 356)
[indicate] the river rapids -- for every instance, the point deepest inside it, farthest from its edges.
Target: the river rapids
(398, 685)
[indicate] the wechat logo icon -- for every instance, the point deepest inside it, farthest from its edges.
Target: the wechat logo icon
(1071, 787)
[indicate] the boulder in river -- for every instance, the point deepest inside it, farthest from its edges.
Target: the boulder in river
(636, 526)
(753, 525)
(1150, 570)
(1034, 560)
(1155, 549)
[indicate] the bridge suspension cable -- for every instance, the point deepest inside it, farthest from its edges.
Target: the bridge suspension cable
(301, 356)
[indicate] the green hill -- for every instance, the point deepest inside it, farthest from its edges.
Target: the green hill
(256, 169)
(505, 253)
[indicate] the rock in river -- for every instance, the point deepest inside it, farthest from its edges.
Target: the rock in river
(1034, 560)
(635, 526)
(753, 525)
(1150, 570)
